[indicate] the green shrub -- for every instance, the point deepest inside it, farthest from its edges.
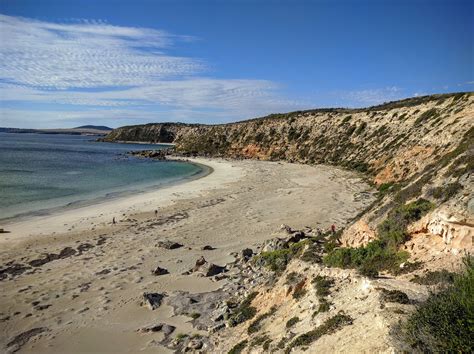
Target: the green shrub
(425, 116)
(444, 193)
(299, 293)
(238, 348)
(244, 311)
(276, 260)
(360, 128)
(445, 322)
(329, 326)
(256, 325)
(292, 321)
(435, 277)
(322, 285)
(395, 296)
(346, 119)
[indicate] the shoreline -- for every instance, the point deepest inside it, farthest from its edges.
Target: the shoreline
(102, 210)
(109, 196)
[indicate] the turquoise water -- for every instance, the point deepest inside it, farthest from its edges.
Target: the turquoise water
(40, 172)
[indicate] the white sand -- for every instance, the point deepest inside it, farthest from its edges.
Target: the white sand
(240, 204)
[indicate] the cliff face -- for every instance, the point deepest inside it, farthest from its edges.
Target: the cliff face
(418, 147)
(392, 142)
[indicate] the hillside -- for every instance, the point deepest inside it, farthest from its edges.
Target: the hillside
(361, 282)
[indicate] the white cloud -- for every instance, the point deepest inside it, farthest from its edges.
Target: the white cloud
(94, 64)
(369, 97)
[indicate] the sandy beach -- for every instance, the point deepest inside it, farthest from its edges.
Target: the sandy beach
(88, 299)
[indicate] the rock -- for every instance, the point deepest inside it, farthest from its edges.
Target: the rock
(160, 327)
(286, 228)
(200, 262)
(207, 269)
(217, 328)
(152, 300)
(159, 271)
(274, 244)
(207, 248)
(170, 245)
(195, 344)
(21, 339)
(246, 253)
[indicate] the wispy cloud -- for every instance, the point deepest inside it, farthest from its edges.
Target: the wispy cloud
(93, 64)
(368, 97)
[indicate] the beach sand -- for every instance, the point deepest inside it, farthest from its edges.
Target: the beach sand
(90, 301)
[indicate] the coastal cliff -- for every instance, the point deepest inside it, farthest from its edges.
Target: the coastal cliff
(407, 148)
(418, 153)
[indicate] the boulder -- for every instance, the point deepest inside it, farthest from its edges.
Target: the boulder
(152, 300)
(246, 253)
(170, 245)
(207, 269)
(159, 271)
(160, 327)
(207, 248)
(195, 344)
(274, 244)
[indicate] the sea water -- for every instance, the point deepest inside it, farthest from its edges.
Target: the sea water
(43, 172)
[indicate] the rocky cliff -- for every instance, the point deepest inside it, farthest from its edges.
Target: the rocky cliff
(415, 147)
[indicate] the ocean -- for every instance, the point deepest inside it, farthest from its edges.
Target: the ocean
(43, 172)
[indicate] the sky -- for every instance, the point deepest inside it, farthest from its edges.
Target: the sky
(116, 62)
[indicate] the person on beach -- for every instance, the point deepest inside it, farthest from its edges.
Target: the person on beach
(333, 229)
(113, 220)
(156, 213)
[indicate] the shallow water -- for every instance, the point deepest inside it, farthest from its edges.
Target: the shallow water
(39, 172)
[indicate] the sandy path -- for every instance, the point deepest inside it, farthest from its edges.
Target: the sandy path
(89, 302)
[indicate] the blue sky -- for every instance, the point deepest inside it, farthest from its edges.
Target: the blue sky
(67, 63)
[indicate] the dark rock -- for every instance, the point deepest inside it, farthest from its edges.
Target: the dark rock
(159, 271)
(211, 269)
(152, 300)
(170, 245)
(199, 263)
(207, 248)
(84, 247)
(247, 253)
(67, 252)
(160, 327)
(21, 339)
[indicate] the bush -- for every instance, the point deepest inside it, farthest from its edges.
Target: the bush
(445, 322)
(244, 311)
(276, 260)
(256, 325)
(322, 285)
(395, 296)
(445, 193)
(329, 326)
(425, 116)
(238, 348)
(292, 321)
(435, 277)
